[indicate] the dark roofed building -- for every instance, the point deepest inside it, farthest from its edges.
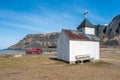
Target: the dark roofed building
(85, 23)
(86, 27)
(78, 42)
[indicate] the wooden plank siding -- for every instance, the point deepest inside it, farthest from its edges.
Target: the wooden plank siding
(63, 47)
(82, 48)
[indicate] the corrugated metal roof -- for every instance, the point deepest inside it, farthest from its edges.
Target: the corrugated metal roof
(76, 35)
(92, 37)
(85, 23)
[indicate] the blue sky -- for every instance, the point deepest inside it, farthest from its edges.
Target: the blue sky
(21, 17)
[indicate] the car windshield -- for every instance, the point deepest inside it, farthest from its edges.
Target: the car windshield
(38, 49)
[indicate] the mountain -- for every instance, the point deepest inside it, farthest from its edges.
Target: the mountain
(109, 35)
(37, 41)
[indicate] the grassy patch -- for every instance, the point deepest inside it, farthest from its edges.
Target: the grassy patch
(19, 62)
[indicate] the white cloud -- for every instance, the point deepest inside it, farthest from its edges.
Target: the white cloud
(48, 23)
(17, 25)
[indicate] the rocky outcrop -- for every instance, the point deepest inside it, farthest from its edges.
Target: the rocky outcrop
(109, 35)
(112, 34)
(37, 41)
(100, 31)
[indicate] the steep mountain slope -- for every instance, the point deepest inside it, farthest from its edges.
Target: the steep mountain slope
(112, 34)
(109, 35)
(37, 41)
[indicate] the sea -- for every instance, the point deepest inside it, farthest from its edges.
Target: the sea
(6, 50)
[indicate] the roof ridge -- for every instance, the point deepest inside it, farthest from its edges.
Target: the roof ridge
(85, 23)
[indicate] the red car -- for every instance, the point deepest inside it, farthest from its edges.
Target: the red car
(34, 51)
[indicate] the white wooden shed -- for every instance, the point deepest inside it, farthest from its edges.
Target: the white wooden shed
(78, 42)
